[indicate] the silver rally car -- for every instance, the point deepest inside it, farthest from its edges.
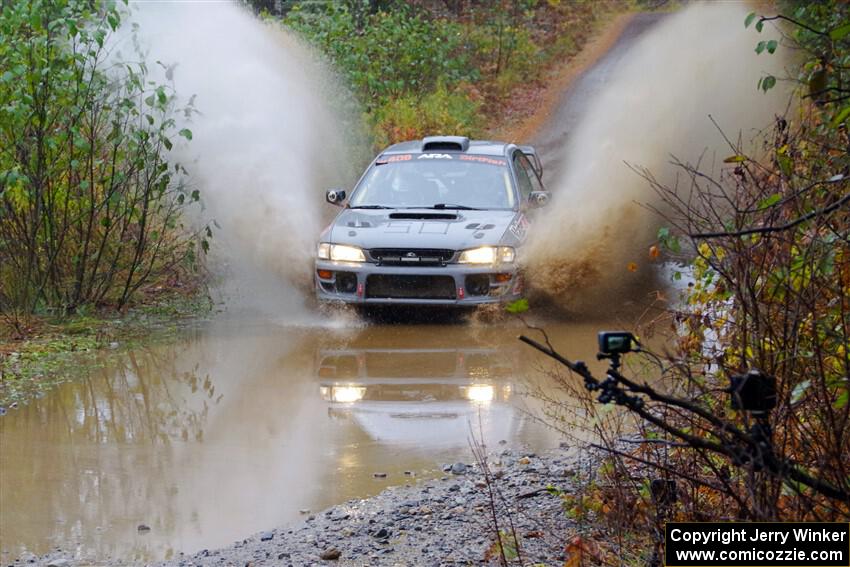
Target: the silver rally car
(438, 221)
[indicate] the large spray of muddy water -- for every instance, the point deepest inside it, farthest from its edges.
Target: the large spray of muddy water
(268, 138)
(695, 63)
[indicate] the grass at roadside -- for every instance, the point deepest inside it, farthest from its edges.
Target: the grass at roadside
(39, 360)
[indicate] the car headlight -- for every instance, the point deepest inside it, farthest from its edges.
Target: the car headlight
(480, 393)
(488, 255)
(340, 253)
(347, 394)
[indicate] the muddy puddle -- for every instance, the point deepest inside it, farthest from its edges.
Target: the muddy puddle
(237, 427)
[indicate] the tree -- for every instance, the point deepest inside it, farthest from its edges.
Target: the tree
(90, 202)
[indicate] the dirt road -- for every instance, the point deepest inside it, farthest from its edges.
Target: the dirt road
(595, 68)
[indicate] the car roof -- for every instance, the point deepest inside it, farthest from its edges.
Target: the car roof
(476, 147)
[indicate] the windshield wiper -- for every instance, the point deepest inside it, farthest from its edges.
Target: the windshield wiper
(453, 206)
(371, 207)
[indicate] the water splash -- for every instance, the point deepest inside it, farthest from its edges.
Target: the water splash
(695, 63)
(268, 139)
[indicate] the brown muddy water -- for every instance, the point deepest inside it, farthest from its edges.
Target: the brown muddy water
(237, 427)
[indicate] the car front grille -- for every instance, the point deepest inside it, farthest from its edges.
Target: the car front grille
(394, 286)
(411, 256)
(428, 364)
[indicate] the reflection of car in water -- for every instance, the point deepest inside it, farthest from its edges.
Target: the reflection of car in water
(428, 396)
(438, 221)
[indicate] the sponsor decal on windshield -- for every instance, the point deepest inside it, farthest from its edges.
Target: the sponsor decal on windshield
(394, 159)
(483, 159)
(462, 157)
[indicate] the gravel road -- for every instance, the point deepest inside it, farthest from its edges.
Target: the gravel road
(439, 522)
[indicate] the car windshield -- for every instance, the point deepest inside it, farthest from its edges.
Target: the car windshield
(450, 181)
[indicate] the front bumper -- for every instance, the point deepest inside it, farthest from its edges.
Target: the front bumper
(452, 284)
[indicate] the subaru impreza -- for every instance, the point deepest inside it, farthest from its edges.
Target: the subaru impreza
(438, 221)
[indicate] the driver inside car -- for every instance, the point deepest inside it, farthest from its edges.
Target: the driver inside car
(411, 188)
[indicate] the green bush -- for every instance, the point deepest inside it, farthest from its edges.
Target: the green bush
(90, 202)
(400, 58)
(507, 55)
(410, 117)
(392, 53)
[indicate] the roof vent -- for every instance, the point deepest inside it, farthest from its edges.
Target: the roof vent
(445, 143)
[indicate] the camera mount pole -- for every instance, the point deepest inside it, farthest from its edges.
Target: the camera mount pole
(614, 357)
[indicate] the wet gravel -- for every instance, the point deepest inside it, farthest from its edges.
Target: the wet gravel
(444, 521)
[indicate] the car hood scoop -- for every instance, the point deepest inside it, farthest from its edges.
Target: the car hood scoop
(423, 215)
(420, 229)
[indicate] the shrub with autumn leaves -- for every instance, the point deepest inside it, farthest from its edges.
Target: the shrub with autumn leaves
(766, 247)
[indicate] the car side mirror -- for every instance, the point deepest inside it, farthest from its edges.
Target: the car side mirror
(539, 198)
(335, 197)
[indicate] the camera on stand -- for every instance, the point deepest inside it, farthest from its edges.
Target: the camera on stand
(613, 345)
(616, 342)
